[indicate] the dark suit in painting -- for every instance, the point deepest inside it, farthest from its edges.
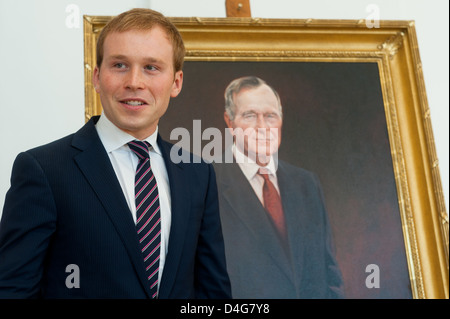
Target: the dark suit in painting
(65, 206)
(257, 264)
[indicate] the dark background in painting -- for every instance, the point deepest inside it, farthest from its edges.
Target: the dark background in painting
(334, 125)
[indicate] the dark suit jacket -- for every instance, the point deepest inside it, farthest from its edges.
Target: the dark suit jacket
(257, 264)
(65, 206)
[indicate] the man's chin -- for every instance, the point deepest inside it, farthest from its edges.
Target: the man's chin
(262, 158)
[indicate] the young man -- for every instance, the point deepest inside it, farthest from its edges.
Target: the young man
(105, 213)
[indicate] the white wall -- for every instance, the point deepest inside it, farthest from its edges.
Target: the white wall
(41, 71)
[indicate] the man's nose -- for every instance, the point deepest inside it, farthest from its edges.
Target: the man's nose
(134, 79)
(261, 122)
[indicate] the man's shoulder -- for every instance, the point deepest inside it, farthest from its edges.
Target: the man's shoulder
(84, 136)
(289, 174)
(293, 169)
(53, 148)
(225, 169)
(296, 172)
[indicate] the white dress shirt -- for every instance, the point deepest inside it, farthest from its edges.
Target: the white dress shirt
(124, 162)
(250, 169)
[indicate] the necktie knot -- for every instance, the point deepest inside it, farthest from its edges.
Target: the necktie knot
(141, 149)
(264, 173)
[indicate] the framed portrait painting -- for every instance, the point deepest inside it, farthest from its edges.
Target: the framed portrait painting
(354, 112)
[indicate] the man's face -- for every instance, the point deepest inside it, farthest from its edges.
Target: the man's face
(257, 123)
(136, 79)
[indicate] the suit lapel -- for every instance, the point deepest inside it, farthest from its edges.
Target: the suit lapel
(292, 206)
(239, 194)
(180, 202)
(94, 163)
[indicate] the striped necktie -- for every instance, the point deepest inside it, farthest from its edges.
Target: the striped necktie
(148, 216)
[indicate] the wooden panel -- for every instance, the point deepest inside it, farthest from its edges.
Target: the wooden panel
(238, 8)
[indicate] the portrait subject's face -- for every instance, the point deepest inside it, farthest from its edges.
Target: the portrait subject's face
(257, 123)
(136, 80)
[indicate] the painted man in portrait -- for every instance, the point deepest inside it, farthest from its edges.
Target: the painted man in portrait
(277, 235)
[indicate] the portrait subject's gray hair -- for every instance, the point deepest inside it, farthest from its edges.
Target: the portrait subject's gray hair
(237, 86)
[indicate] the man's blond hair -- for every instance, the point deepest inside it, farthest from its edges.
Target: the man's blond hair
(143, 20)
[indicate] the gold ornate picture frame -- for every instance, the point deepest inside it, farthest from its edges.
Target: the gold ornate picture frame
(330, 46)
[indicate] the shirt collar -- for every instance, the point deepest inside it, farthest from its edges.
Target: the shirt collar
(114, 138)
(250, 167)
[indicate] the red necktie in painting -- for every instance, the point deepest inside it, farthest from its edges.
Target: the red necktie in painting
(148, 216)
(272, 204)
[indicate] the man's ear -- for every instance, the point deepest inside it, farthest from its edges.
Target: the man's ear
(96, 79)
(177, 84)
(228, 121)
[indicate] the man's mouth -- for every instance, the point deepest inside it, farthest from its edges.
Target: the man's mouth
(133, 102)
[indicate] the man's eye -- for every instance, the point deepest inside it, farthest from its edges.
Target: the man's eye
(150, 68)
(119, 65)
(249, 115)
